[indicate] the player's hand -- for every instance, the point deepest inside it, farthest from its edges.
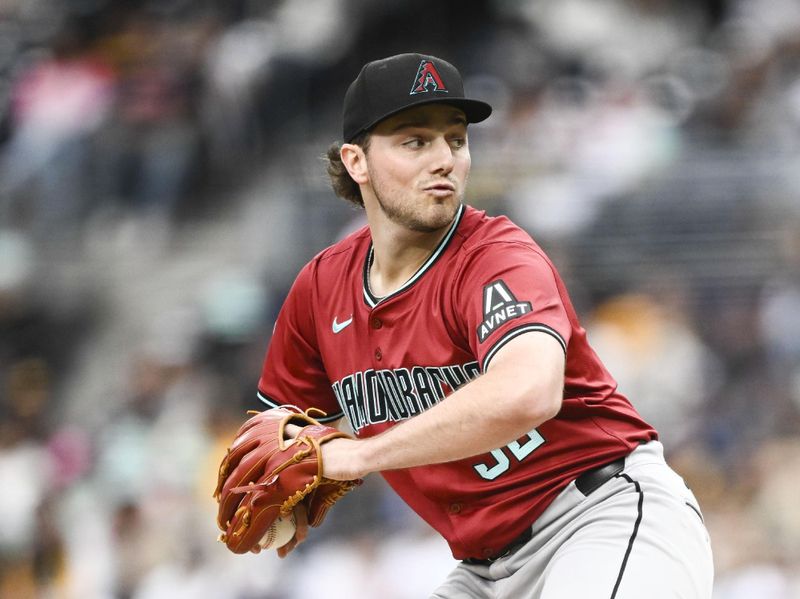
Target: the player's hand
(342, 460)
(340, 457)
(300, 533)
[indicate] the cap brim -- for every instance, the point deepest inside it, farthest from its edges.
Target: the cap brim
(475, 110)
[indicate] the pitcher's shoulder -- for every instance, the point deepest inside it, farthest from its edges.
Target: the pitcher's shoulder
(347, 246)
(338, 259)
(479, 229)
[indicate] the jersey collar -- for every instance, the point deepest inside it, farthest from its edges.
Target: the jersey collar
(372, 300)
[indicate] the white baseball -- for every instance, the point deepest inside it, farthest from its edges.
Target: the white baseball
(279, 533)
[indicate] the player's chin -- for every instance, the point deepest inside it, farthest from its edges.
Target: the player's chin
(443, 210)
(435, 218)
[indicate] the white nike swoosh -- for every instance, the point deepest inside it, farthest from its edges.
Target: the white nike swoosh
(339, 326)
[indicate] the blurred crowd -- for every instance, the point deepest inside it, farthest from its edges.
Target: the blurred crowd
(161, 184)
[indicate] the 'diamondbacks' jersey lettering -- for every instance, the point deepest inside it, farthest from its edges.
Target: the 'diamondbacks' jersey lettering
(375, 396)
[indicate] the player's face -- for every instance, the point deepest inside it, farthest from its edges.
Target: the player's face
(418, 162)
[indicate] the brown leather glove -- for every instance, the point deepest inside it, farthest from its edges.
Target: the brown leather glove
(264, 476)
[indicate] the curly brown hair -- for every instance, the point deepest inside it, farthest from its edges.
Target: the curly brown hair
(341, 181)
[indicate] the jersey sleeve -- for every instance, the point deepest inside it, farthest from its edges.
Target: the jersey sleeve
(293, 372)
(508, 289)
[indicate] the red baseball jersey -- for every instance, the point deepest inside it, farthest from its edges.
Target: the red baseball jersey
(377, 361)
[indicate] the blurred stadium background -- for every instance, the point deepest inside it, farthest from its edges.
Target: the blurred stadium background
(161, 184)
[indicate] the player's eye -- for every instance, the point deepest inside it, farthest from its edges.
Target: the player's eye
(458, 142)
(414, 143)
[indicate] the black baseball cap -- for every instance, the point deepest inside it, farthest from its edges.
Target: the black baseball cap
(387, 86)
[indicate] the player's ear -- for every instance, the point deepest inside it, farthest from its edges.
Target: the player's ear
(355, 161)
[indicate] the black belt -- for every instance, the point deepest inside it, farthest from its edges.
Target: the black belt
(591, 480)
(586, 483)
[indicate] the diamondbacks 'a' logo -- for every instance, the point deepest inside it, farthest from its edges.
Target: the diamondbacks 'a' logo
(499, 306)
(427, 79)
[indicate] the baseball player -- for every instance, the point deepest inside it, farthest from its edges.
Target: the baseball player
(448, 342)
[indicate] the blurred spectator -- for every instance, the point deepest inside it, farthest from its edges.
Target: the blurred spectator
(56, 104)
(25, 471)
(237, 61)
(780, 327)
(149, 149)
(658, 361)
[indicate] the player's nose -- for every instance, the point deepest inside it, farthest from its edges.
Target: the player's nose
(443, 156)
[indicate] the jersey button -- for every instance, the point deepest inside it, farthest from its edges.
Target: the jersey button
(376, 323)
(378, 354)
(455, 508)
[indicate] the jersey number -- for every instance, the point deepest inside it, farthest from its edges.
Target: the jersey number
(518, 450)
